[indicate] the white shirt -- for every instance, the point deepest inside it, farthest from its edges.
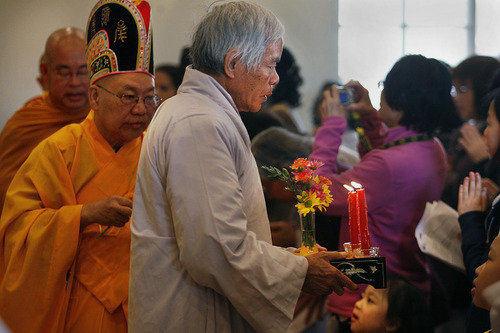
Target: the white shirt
(201, 256)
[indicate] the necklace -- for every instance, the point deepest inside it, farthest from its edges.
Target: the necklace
(365, 142)
(415, 138)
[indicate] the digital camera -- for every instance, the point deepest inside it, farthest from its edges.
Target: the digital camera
(346, 95)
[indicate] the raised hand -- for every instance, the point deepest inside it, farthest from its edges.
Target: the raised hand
(362, 103)
(331, 104)
(473, 143)
(471, 195)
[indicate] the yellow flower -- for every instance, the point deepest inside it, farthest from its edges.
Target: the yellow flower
(327, 200)
(312, 191)
(307, 202)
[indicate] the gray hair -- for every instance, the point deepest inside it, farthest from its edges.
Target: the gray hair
(244, 26)
(279, 147)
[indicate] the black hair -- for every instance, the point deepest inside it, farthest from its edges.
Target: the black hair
(493, 94)
(185, 59)
(318, 100)
(256, 122)
(493, 166)
(477, 72)
(287, 89)
(496, 100)
(279, 147)
(420, 87)
(407, 308)
(174, 72)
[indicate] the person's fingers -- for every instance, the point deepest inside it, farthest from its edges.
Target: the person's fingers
(124, 201)
(346, 282)
(478, 186)
(466, 188)
(334, 255)
(338, 289)
(472, 185)
(124, 211)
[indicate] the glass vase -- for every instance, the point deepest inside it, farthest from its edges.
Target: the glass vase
(308, 229)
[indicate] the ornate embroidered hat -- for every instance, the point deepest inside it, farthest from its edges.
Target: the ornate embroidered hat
(119, 39)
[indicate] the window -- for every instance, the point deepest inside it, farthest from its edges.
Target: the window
(373, 35)
(487, 37)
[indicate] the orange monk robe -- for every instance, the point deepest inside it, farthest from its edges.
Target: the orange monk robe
(52, 277)
(32, 123)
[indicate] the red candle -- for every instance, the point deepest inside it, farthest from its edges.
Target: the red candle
(363, 217)
(353, 215)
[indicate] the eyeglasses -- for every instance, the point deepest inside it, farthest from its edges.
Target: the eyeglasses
(151, 101)
(459, 90)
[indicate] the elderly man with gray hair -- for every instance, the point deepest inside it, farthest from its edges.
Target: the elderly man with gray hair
(201, 253)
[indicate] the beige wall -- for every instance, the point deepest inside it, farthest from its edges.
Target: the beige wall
(310, 35)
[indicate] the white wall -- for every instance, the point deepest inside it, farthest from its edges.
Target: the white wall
(310, 35)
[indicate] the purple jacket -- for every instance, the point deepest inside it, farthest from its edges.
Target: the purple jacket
(398, 183)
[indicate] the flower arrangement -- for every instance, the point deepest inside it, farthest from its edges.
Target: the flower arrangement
(312, 192)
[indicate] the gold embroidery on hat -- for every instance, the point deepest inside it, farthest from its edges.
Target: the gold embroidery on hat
(92, 26)
(105, 16)
(121, 32)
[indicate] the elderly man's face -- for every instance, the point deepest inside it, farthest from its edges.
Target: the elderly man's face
(117, 122)
(67, 77)
(251, 89)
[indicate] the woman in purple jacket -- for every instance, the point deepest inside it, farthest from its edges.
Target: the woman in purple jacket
(402, 165)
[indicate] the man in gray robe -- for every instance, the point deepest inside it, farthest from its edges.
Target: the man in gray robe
(201, 255)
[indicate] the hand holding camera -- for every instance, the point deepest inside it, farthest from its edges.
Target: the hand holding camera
(352, 97)
(361, 99)
(332, 104)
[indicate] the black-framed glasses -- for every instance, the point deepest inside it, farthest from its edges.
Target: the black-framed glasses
(152, 101)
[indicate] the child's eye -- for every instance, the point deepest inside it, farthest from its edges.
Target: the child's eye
(370, 300)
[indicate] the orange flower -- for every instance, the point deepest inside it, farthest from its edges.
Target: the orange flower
(312, 191)
(302, 176)
(324, 180)
(299, 163)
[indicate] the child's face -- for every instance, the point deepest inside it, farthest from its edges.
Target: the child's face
(492, 131)
(370, 312)
(487, 274)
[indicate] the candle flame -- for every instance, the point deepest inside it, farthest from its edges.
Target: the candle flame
(356, 185)
(349, 188)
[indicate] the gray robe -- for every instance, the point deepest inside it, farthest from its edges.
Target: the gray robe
(201, 256)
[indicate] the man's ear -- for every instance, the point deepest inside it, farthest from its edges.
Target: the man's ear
(44, 69)
(93, 97)
(230, 62)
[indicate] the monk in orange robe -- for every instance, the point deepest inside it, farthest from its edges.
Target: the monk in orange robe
(64, 73)
(64, 231)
